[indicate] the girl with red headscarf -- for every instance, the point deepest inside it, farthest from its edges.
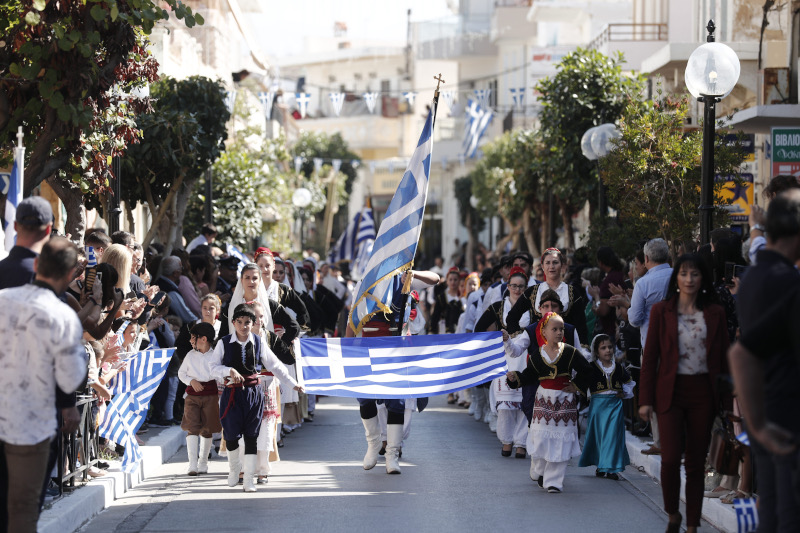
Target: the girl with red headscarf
(553, 433)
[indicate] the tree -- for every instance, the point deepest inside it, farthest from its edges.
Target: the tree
(65, 68)
(508, 183)
(183, 136)
(589, 89)
(470, 217)
(653, 174)
(335, 187)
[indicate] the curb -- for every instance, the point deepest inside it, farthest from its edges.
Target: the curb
(72, 511)
(717, 513)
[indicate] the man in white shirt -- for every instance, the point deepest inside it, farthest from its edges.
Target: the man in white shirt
(41, 337)
(208, 233)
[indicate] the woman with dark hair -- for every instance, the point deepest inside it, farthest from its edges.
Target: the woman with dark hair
(612, 267)
(687, 340)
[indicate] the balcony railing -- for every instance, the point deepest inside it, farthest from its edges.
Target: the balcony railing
(630, 32)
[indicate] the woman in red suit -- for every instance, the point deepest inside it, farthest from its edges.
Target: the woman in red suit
(684, 353)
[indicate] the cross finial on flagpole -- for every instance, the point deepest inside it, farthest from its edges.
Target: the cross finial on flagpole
(20, 137)
(439, 81)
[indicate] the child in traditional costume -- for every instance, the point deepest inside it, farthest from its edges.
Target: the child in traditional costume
(238, 359)
(201, 407)
(609, 383)
(553, 433)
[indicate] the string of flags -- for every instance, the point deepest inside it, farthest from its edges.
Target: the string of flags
(337, 99)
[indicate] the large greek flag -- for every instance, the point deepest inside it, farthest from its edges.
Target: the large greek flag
(411, 366)
(355, 242)
(132, 390)
(394, 247)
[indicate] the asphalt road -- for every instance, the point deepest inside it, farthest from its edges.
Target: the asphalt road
(454, 479)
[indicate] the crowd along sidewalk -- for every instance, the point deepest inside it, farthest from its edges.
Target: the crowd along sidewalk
(720, 515)
(81, 505)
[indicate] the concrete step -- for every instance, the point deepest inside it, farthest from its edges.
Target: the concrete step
(84, 503)
(720, 515)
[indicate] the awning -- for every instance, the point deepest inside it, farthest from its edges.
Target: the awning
(762, 118)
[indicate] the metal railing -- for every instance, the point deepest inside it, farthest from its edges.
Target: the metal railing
(630, 32)
(76, 448)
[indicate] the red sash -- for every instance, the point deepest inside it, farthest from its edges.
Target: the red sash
(555, 384)
(209, 389)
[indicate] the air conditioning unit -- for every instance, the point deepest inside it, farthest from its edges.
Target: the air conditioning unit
(773, 86)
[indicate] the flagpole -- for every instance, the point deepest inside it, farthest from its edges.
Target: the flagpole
(19, 155)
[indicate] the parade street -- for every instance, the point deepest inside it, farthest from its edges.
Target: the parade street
(453, 479)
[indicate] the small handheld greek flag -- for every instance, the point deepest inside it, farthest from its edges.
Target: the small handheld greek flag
(132, 390)
(746, 514)
(400, 367)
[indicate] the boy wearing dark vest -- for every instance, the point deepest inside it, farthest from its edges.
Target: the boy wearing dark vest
(238, 360)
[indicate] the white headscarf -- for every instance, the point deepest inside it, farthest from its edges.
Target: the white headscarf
(262, 298)
(299, 285)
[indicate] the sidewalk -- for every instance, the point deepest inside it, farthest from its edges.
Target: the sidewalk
(720, 515)
(85, 502)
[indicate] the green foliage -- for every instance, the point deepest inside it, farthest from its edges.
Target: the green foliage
(312, 145)
(653, 175)
(249, 184)
(61, 65)
(589, 89)
(470, 217)
(507, 180)
(183, 136)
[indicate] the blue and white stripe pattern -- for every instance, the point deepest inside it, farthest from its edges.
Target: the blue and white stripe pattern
(233, 251)
(266, 98)
(478, 120)
(355, 241)
(743, 438)
(411, 366)
(132, 390)
(12, 201)
(302, 100)
(396, 244)
(746, 514)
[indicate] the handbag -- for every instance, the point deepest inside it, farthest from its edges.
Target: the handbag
(725, 452)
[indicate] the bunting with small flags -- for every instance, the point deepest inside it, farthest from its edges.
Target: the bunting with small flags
(410, 96)
(482, 96)
(230, 101)
(518, 96)
(302, 100)
(266, 98)
(370, 99)
(337, 101)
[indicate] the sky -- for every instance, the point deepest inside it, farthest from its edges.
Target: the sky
(285, 24)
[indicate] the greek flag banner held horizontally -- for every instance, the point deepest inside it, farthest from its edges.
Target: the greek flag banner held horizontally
(132, 390)
(396, 244)
(410, 366)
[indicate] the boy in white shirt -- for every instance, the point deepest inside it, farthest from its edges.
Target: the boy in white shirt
(201, 407)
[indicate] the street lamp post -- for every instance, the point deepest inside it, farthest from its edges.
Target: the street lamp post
(115, 210)
(301, 198)
(596, 143)
(711, 74)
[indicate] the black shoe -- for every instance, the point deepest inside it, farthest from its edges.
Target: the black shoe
(505, 453)
(521, 454)
(280, 444)
(598, 473)
(102, 465)
(553, 490)
(540, 481)
(262, 480)
(614, 476)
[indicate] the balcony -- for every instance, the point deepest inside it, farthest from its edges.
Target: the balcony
(636, 41)
(453, 38)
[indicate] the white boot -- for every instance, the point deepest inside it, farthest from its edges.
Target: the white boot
(249, 471)
(191, 449)
(372, 430)
(202, 463)
(394, 440)
(235, 466)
